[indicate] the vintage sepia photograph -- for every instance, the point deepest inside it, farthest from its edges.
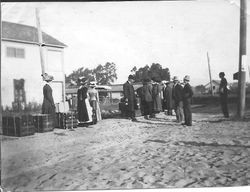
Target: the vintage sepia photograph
(121, 95)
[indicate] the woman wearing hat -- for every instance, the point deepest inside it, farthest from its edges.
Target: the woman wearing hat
(187, 96)
(156, 93)
(48, 106)
(223, 94)
(84, 114)
(94, 102)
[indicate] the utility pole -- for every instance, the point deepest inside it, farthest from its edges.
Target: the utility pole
(40, 40)
(210, 76)
(242, 59)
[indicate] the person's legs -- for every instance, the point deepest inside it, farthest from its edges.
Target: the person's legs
(188, 120)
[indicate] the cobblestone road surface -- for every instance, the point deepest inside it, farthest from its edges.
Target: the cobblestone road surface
(120, 154)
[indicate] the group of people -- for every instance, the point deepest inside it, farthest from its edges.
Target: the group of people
(88, 102)
(156, 96)
(88, 108)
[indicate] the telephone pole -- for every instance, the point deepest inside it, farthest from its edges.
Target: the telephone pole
(40, 39)
(242, 59)
(210, 76)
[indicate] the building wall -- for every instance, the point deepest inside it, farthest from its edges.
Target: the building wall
(29, 69)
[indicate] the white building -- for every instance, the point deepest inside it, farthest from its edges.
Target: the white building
(21, 65)
(215, 85)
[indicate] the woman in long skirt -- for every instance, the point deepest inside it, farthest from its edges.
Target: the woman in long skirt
(83, 106)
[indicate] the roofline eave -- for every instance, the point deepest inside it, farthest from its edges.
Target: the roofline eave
(31, 42)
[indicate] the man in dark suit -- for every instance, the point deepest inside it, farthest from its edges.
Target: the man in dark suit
(129, 96)
(223, 94)
(178, 99)
(187, 96)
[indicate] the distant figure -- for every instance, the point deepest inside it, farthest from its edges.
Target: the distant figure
(148, 99)
(178, 99)
(168, 99)
(139, 92)
(48, 106)
(129, 96)
(187, 96)
(84, 114)
(223, 94)
(156, 93)
(94, 102)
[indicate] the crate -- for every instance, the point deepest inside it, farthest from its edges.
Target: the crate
(43, 123)
(18, 125)
(66, 120)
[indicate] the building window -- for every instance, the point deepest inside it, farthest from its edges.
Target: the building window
(15, 52)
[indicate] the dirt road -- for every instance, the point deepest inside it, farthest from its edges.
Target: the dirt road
(120, 154)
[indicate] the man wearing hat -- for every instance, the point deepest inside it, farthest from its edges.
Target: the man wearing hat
(129, 96)
(223, 94)
(187, 96)
(167, 95)
(178, 99)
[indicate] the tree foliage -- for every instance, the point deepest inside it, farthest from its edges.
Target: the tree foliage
(155, 70)
(103, 74)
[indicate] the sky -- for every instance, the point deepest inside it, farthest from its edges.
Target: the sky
(176, 34)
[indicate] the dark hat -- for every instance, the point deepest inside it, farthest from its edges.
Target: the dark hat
(131, 77)
(222, 74)
(82, 80)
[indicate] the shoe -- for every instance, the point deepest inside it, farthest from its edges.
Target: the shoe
(146, 117)
(183, 124)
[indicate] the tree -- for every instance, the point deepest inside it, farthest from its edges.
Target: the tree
(155, 70)
(103, 74)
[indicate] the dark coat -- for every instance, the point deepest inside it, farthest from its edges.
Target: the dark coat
(81, 104)
(177, 93)
(157, 97)
(223, 87)
(147, 92)
(168, 97)
(129, 94)
(187, 94)
(48, 106)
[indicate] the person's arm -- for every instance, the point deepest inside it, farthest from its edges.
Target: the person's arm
(125, 92)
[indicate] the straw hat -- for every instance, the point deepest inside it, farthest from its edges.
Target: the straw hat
(187, 78)
(92, 84)
(47, 77)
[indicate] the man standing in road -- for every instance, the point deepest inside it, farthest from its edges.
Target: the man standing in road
(178, 99)
(187, 96)
(129, 96)
(223, 94)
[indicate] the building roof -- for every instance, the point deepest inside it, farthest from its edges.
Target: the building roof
(215, 82)
(26, 34)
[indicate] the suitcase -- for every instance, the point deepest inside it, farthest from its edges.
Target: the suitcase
(18, 125)
(43, 123)
(66, 120)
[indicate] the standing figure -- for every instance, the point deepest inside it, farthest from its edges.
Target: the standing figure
(94, 102)
(178, 99)
(139, 92)
(148, 99)
(223, 94)
(168, 100)
(48, 106)
(84, 114)
(156, 92)
(187, 97)
(129, 97)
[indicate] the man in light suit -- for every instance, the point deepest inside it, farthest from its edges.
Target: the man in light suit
(129, 96)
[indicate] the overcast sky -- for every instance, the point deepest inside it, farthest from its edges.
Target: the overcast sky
(177, 35)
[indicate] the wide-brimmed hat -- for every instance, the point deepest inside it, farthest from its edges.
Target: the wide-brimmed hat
(92, 83)
(187, 78)
(82, 80)
(47, 77)
(175, 78)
